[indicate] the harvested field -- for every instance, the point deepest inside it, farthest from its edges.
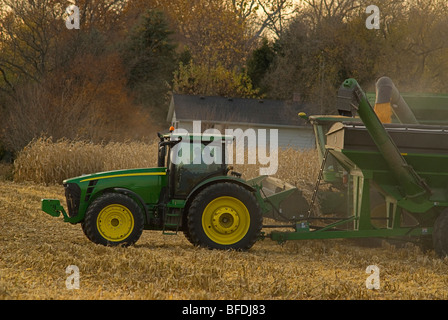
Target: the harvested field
(36, 249)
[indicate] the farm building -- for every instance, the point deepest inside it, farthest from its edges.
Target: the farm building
(238, 113)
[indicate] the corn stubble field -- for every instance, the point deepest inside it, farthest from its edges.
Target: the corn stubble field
(36, 249)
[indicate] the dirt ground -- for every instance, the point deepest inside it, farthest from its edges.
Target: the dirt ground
(36, 250)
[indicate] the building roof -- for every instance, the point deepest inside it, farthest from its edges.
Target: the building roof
(237, 110)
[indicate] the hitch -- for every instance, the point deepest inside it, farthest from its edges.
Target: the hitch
(53, 207)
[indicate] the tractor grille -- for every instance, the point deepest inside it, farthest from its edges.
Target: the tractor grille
(73, 196)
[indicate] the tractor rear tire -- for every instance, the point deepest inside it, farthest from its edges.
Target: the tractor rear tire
(224, 216)
(113, 219)
(440, 234)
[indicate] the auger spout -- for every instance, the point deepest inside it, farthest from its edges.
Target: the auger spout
(411, 183)
(389, 101)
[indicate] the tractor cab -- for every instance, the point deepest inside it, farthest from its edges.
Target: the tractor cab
(192, 158)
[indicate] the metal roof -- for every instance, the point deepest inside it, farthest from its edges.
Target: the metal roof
(237, 110)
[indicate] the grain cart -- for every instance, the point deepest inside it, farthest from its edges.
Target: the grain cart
(211, 204)
(405, 163)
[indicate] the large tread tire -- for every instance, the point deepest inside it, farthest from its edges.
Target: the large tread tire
(185, 229)
(243, 227)
(440, 234)
(129, 216)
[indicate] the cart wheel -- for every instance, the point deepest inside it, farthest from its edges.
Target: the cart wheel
(224, 216)
(440, 234)
(113, 219)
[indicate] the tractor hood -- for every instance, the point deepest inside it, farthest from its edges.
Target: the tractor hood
(118, 174)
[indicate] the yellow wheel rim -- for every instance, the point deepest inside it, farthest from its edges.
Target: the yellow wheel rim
(115, 222)
(225, 220)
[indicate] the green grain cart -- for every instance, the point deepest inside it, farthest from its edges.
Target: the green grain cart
(392, 179)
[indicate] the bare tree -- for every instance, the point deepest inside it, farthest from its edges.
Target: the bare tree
(265, 15)
(317, 10)
(34, 39)
(64, 83)
(27, 38)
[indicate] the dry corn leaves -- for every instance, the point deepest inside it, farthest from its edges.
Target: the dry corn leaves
(46, 161)
(35, 250)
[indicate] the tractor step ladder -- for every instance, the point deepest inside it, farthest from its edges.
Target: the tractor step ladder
(171, 223)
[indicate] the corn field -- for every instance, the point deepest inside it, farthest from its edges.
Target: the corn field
(50, 162)
(36, 249)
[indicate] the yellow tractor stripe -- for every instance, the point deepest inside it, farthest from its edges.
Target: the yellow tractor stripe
(128, 175)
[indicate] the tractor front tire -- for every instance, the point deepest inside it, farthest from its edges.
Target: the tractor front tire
(224, 216)
(113, 219)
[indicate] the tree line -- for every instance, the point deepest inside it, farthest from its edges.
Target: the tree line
(111, 79)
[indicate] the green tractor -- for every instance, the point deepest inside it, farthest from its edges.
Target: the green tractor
(211, 204)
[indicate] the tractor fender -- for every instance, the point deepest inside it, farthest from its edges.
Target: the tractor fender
(215, 180)
(134, 195)
(124, 191)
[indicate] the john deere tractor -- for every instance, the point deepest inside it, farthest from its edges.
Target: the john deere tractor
(211, 204)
